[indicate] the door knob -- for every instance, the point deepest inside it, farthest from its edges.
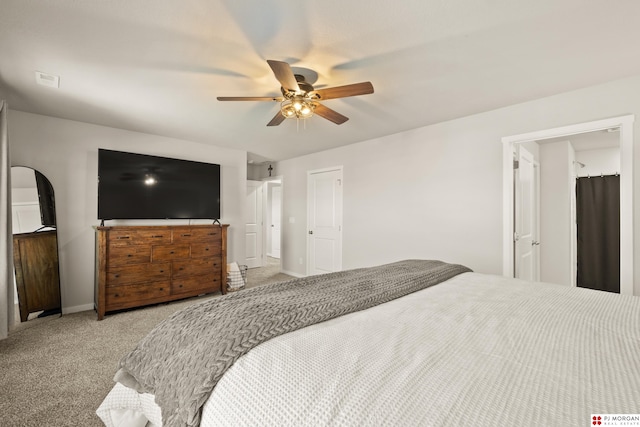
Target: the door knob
(310, 231)
(535, 243)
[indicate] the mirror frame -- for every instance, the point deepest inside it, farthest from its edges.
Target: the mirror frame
(34, 293)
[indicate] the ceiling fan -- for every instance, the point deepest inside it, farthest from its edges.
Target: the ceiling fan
(300, 100)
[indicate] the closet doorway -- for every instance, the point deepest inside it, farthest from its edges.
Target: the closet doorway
(598, 231)
(273, 218)
(557, 147)
(580, 206)
(263, 225)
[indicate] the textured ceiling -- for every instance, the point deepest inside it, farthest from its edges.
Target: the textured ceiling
(157, 66)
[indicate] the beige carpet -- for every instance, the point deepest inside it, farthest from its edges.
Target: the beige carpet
(56, 371)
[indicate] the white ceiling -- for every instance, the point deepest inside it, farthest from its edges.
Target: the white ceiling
(156, 66)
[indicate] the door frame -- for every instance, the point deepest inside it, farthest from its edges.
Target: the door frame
(536, 178)
(308, 245)
(535, 212)
(266, 202)
(625, 123)
(259, 187)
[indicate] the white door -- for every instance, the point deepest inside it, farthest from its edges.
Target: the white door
(525, 238)
(253, 224)
(276, 217)
(324, 209)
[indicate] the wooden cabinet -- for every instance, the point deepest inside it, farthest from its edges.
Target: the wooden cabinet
(35, 258)
(144, 265)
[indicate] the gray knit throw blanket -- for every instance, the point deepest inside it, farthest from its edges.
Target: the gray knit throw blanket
(181, 360)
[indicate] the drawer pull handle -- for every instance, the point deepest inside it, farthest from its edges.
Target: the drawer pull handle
(116, 275)
(157, 236)
(117, 295)
(180, 286)
(186, 235)
(206, 249)
(161, 271)
(172, 252)
(123, 237)
(162, 289)
(129, 255)
(181, 268)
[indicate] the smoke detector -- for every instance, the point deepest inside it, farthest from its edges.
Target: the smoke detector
(49, 80)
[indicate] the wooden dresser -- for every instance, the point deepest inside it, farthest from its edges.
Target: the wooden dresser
(141, 265)
(35, 258)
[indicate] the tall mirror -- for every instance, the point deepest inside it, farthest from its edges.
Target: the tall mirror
(35, 244)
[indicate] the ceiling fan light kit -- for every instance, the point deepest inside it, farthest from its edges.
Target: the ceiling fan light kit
(297, 107)
(300, 100)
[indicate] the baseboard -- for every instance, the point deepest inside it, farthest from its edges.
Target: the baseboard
(291, 273)
(77, 308)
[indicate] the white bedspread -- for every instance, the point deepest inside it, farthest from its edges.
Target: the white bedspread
(477, 350)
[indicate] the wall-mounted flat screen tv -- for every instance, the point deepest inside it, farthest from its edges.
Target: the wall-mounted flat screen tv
(140, 186)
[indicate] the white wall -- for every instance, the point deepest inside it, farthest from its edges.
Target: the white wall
(410, 195)
(556, 165)
(604, 161)
(436, 191)
(258, 172)
(66, 152)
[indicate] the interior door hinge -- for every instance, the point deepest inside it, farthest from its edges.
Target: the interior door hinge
(516, 164)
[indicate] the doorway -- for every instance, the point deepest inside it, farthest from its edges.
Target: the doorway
(324, 220)
(254, 222)
(273, 222)
(598, 232)
(625, 126)
(526, 216)
(273, 217)
(263, 223)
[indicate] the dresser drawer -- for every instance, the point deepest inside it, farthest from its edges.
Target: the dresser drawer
(138, 237)
(131, 254)
(125, 296)
(196, 267)
(208, 234)
(196, 284)
(138, 273)
(206, 249)
(169, 252)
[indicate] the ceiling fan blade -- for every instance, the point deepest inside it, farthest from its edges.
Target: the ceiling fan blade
(329, 114)
(355, 89)
(251, 98)
(277, 119)
(285, 76)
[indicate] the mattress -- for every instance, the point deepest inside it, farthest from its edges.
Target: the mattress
(476, 350)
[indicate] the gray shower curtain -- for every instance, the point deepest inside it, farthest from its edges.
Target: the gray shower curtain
(598, 230)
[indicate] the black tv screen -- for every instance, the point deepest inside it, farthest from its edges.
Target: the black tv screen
(140, 186)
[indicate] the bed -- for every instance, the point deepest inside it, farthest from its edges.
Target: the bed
(464, 349)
